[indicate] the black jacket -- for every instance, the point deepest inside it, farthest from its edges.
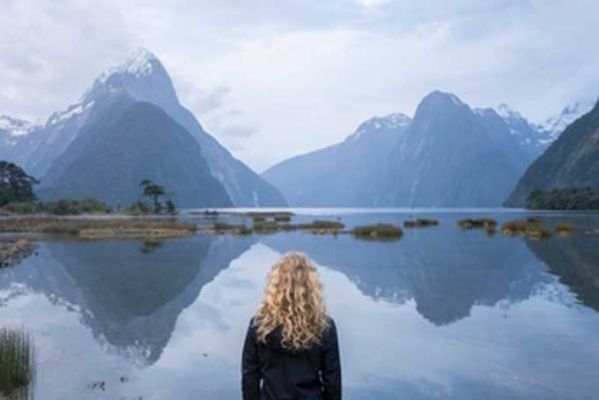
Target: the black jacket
(271, 372)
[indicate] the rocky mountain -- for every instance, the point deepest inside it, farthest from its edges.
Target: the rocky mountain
(571, 161)
(448, 155)
(514, 138)
(123, 144)
(448, 159)
(142, 78)
(350, 173)
(531, 139)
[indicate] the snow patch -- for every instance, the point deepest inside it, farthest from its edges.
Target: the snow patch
(140, 63)
(555, 125)
(15, 127)
(72, 111)
(388, 122)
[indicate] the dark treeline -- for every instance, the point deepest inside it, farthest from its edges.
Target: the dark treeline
(565, 199)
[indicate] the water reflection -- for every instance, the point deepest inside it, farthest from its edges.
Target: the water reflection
(446, 274)
(575, 260)
(129, 298)
(439, 314)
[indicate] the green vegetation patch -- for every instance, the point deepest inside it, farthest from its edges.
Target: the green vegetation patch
(565, 199)
(16, 363)
(420, 223)
(98, 228)
(477, 223)
(12, 251)
(378, 232)
(530, 227)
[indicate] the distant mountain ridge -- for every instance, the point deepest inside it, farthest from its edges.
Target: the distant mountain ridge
(142, 78)
(447, 155)
(572, 161)
(344, 174)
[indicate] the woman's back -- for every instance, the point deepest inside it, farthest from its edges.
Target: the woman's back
(291, 350)
(313, 373)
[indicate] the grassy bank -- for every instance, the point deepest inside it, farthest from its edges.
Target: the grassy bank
(14, 250)
(98, 229)
(261, 225)
(16, 364)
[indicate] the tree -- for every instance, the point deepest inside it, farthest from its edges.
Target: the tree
(170, 206)
(153, 191)
(15, 184)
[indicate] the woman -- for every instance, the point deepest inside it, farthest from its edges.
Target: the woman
(290, 350)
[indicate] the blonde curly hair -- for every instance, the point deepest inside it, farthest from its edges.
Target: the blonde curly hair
(293, 300)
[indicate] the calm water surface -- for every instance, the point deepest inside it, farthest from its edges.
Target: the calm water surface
(440, 314)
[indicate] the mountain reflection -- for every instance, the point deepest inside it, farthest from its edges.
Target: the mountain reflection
(130, 294)
(575, 260)
(445, 273)
(127, 297)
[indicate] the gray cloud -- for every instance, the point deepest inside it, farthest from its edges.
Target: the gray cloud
(301, 74)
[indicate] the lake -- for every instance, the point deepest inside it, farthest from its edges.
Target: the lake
(440, 314)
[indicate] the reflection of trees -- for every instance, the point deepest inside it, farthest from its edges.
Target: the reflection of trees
(575, 260)
(446, 272)
(130, 299)
(150, 245)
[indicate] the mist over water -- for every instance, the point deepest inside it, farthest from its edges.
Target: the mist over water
(439, 314)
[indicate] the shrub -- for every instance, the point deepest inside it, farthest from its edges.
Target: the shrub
(26, 207)
(378, 231)
(237, 229)
(531, 227)
(564, 228)
(420, 222)
(93, 206)
(470, 223)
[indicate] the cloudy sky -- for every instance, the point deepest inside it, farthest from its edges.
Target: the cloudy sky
(275, 78)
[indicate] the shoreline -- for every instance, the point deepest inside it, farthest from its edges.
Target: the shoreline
(86, 228)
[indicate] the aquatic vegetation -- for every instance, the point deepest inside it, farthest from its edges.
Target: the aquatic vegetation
(233, 229)
(420, 223)
(477, 223)
(16, 363)
(14, 250)
(267, 226)
(564, 228)
(491, 231)
(258, 218)
(378, 232)
(530, 227)
(58, 207)
(263, 226)
(315, 227)
(98, 228)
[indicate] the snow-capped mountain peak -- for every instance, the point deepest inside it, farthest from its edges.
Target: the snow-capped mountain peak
(387, 122)
(140, 63)
(556, 124)
(15, 127)
(141, 76)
